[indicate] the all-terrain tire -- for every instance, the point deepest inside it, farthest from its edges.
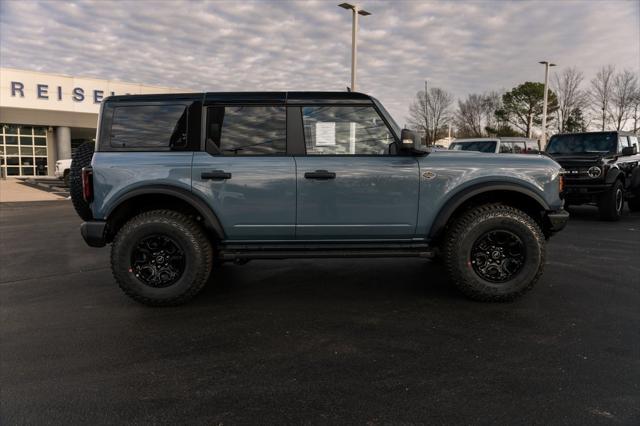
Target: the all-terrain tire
(611, 203)
(81, 158)
(188, 236)
(475, 224)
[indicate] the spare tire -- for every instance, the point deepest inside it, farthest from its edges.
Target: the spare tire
(79, 159)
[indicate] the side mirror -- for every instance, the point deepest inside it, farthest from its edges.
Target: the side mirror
(409, 141)
(629, 150)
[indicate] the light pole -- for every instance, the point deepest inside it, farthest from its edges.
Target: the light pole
(544, 104)
(355, 10)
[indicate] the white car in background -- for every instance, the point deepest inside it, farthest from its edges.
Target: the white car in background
(507, 145)
(62, 170)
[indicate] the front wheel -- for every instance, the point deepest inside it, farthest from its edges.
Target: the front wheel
(494, 253)
(161, 258)
(611, 202)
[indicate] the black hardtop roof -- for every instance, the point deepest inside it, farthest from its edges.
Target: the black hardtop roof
(253, 97)
(620, 132)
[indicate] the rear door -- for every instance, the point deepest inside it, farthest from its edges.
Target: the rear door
(245, 173)
(350, 185)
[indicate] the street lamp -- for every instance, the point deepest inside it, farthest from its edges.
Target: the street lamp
(355, 9)
(544, 104)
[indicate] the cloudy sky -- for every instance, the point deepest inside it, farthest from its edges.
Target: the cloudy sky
(463, 46)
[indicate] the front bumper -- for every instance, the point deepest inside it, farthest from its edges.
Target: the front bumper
(557, 220)
(585, 189)
(93, 233)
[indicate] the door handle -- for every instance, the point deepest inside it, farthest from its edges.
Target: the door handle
(320, 175)
(216, 175)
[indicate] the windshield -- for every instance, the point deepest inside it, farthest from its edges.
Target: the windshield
(585, 143)
(388, 117)
(482, 146)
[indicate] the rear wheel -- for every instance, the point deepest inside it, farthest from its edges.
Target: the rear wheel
(494, 253)
(611, 202)
(161, 258)
(81, 158)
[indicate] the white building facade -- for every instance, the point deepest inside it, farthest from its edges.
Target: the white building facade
(43, 117)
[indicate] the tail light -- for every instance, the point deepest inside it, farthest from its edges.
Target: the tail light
(87, 184)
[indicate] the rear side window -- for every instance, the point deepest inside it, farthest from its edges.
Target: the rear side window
(247, 130)
(149, 126)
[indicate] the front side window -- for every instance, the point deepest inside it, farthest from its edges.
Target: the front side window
(345, 130)
(247, 130)
(622, 143)
(506, 148)
(633, 141)
(149, 126)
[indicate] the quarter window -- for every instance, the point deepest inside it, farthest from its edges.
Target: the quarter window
(149, 126)
(247, 130)
(345, 130)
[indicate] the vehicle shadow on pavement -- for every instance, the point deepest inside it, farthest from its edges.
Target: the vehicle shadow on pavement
(330, 280)
(590, 213)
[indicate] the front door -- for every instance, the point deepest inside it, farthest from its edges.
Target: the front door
(245, 174)
(349, 184)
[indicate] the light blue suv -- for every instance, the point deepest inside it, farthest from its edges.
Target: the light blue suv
(180, 184)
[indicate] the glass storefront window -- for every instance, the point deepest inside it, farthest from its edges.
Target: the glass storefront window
(23, 153)
(10, 129)
(26, 140)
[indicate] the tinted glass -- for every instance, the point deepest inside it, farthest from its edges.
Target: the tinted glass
(586, 143)
(149, 126)
(506, 147)
(342, 130)
(247, 130)
(623, 142)
(481, 146)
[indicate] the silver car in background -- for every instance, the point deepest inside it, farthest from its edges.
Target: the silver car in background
(505, 145)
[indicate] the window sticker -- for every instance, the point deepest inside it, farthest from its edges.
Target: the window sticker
(325, 134)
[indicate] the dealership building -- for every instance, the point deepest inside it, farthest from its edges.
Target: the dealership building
(43, 117)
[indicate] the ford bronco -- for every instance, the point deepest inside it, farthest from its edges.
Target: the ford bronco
(601, 168)
(179, 184)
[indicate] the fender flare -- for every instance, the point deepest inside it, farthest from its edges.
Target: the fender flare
(209, 217)
(612, 175)
(460, 197)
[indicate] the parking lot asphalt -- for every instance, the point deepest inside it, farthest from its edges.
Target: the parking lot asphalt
(322, 342)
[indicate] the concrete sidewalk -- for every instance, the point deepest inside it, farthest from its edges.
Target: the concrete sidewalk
(13, 190)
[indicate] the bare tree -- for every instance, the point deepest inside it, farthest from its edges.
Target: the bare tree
(601, 92)
(635, 111)
(476, 114)
(470, 117)
(570, 98)
(430, 114)
(623, 92)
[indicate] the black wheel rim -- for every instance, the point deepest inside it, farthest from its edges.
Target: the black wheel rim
(157, 261)
(498, 256)
(619, 200)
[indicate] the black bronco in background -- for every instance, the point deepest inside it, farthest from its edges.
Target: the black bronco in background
(601, 168)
